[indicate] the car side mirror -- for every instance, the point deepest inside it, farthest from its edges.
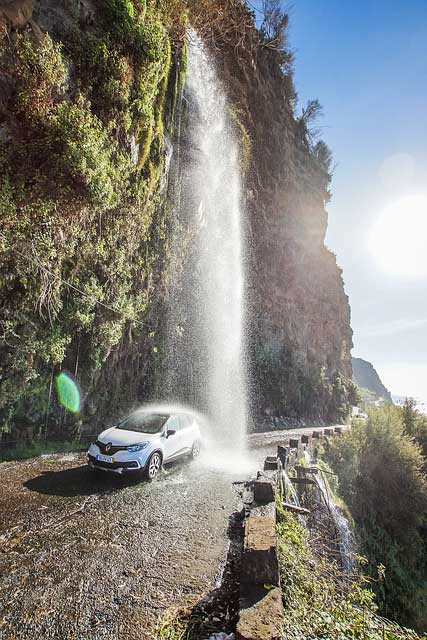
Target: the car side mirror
(170, 432)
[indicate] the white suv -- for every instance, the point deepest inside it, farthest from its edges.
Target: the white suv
(145, 440)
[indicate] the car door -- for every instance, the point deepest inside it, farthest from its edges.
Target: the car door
(186, 432)
(172, 444)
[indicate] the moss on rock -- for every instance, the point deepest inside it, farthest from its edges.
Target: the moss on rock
(82, 237)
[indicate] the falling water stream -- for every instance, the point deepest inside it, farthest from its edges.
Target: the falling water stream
(291, 489)
(206, 306)
(344, 534)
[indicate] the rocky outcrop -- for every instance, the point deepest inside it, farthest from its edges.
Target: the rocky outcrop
(16, 13)
(366, 377)
(299, 317)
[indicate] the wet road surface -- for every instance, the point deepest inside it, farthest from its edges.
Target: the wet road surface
(88, 556)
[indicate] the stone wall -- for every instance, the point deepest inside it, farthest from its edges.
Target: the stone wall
(261, 607)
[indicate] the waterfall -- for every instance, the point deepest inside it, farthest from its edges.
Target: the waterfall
(290, 487)
(346, 543)
(344, 535)
(205, 347)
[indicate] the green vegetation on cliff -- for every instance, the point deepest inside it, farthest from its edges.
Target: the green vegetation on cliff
(82, 240)
(318, 601)
(295, 389)
(88, 93)
(380, 466)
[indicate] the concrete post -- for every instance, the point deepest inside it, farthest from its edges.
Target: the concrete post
(283, 454)
(294, 443)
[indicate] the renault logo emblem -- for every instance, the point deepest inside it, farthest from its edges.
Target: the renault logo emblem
(108, 446)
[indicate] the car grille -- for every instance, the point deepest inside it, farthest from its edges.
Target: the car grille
(111, 451)
(113, 465)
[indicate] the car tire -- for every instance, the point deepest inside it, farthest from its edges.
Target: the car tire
(195, 450)
(154, 465)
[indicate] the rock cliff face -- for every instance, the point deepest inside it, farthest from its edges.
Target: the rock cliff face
(88, 93)
(366, 377)
(299, 317)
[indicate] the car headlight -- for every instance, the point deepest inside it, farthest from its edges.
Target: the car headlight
(137, 447)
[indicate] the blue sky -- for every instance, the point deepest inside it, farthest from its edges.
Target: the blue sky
(366, 62)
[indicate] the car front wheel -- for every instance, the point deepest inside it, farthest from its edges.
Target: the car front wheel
(195, 450)
(154, 465)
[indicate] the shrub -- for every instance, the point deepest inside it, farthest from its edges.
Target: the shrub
(41, 75)
(380, 476)
(120, 16)
(83, 152)
(317, 603)
(295, 388)
(85, 232)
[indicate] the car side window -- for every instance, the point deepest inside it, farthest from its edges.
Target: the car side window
(184, 421)
(173, 424)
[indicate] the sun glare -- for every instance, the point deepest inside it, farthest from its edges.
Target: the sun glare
(398, 239)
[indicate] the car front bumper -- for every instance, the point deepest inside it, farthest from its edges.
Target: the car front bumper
(118, 466)
(121, 462)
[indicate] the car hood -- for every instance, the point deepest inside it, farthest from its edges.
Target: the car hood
(123, 437)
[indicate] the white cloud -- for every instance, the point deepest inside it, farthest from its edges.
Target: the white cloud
(392, 327)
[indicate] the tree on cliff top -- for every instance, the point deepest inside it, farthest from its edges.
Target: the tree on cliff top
(273, 31)
(274, 24)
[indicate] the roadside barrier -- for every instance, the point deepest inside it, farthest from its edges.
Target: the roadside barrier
(261, 613)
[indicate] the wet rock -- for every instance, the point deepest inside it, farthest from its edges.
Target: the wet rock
(263, 491)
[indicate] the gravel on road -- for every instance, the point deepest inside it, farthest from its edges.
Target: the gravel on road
(87, 556)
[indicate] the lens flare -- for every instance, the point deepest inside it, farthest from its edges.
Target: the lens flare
(68, 392)
(398, 238)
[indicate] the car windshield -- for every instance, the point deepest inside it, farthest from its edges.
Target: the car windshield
(143, 422)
